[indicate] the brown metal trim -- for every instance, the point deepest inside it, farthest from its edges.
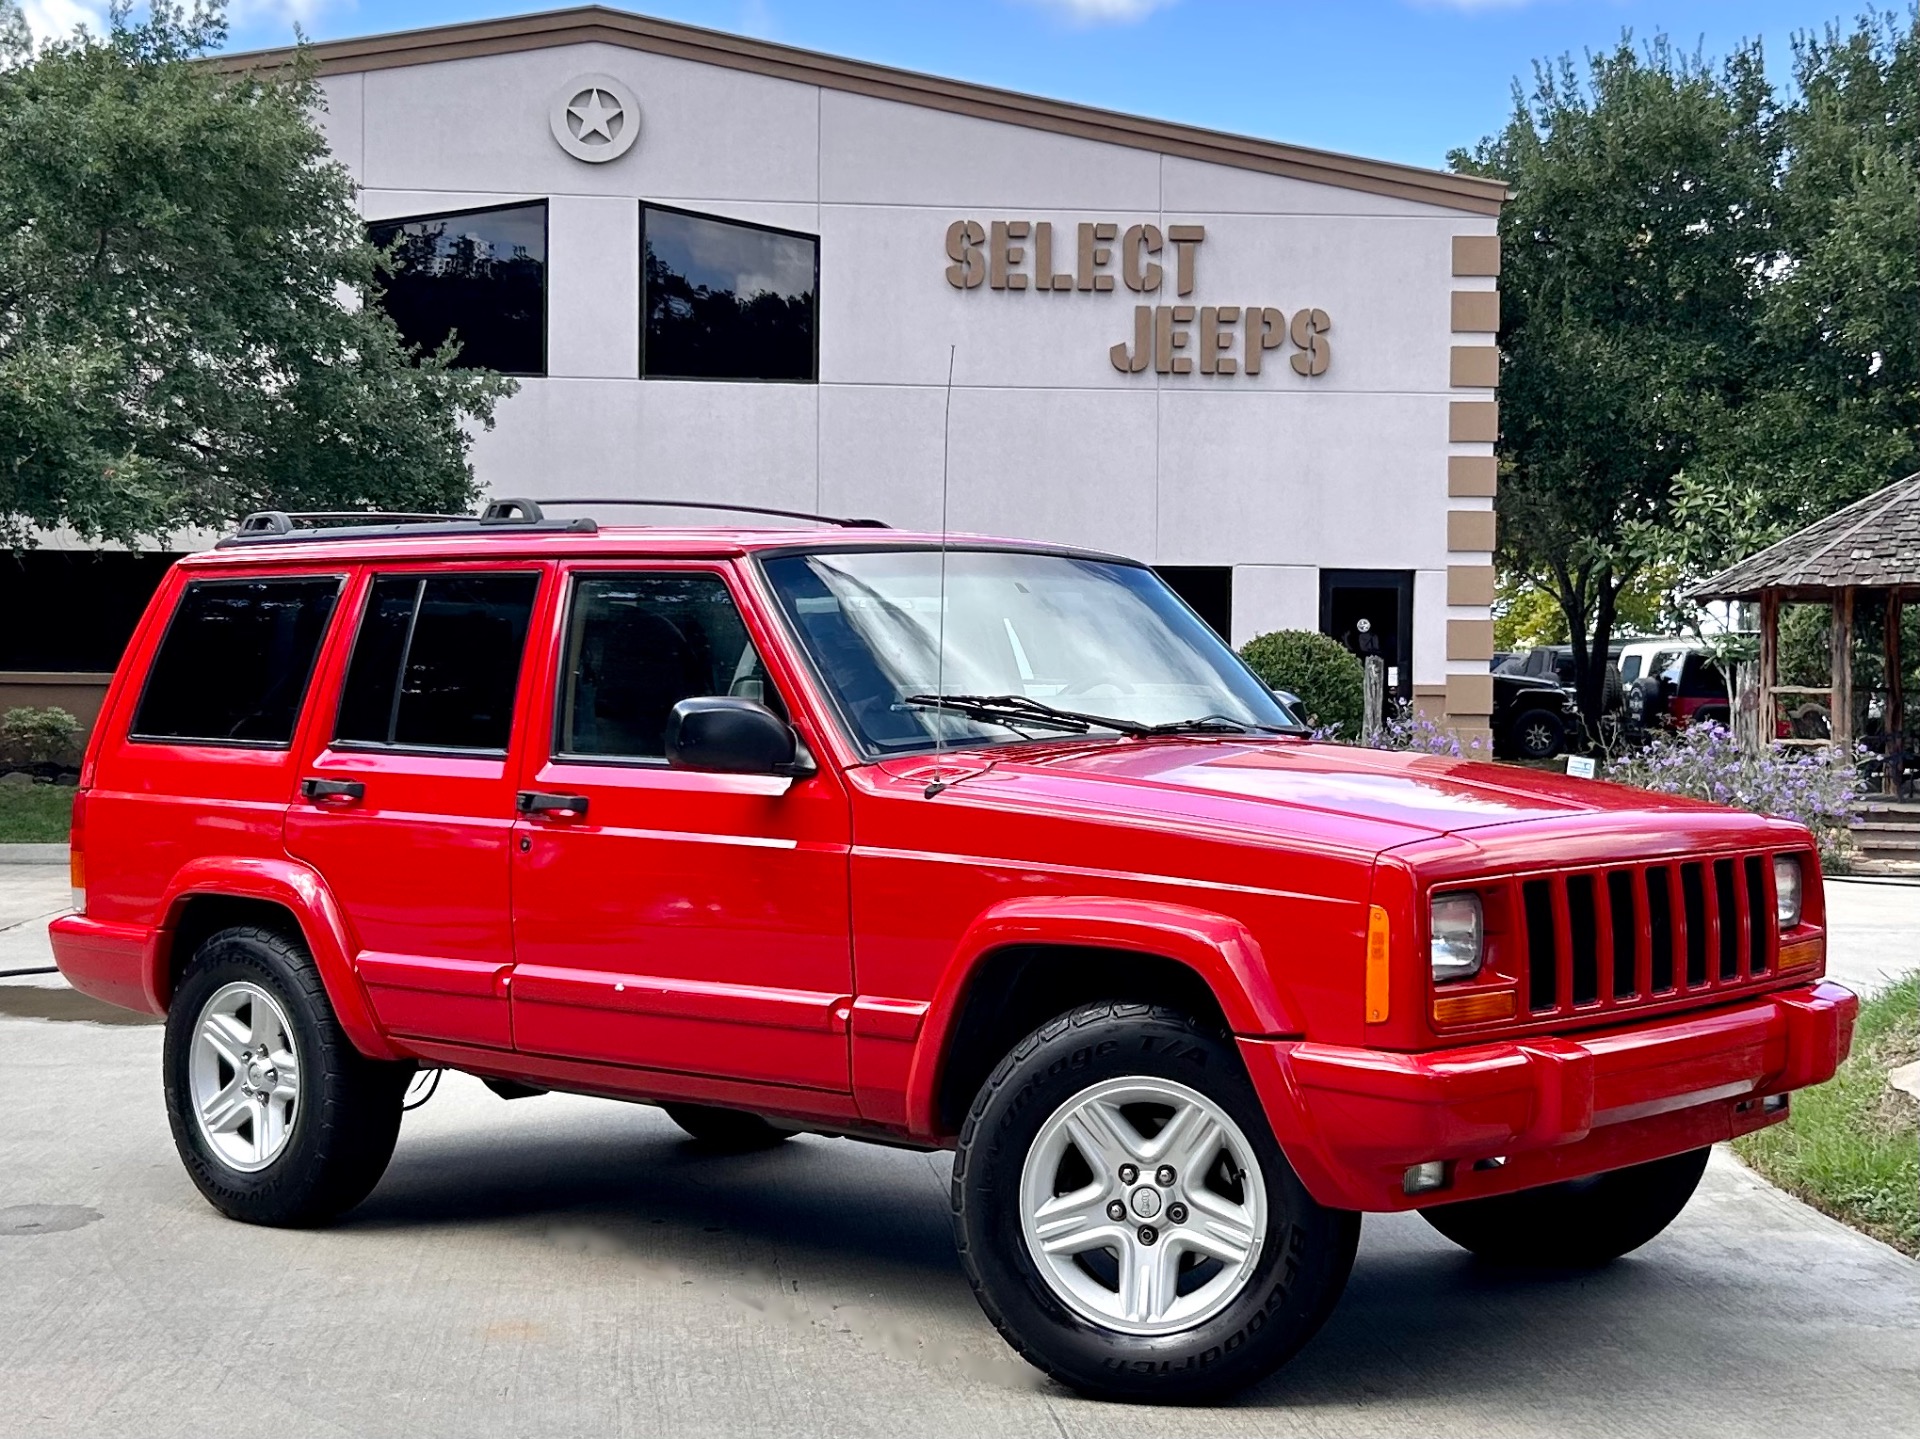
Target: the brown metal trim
(595, 24)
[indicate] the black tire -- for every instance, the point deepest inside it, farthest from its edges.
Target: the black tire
(1580, 1224)
(1302, 1266)
(1646, 702)
(1538, 734)
(726, 1131)
(347, 1116)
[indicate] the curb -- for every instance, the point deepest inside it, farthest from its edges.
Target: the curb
(48, 854)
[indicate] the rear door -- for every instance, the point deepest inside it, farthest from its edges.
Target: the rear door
(405, 800)
(663, 918)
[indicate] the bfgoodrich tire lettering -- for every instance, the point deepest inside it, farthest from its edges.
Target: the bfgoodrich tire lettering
(341, 1129)
(1304, 1255)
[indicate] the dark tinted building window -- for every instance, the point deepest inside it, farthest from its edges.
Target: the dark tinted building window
(84, 604)
(437, 662)
(479, 276)
(643, 643)
(1208, 588)
(234, 665)
(725, 301)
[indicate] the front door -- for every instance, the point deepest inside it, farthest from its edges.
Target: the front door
(667, 919)
(406, 804)
(1371, 613)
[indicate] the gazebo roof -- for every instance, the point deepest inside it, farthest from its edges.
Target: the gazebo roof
(1874, 543)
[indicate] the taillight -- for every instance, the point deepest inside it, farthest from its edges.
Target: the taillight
(77, 852)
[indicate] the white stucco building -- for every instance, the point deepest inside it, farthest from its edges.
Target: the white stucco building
(1269, 371)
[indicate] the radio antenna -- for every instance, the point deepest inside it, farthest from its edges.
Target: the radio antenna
(940, 656)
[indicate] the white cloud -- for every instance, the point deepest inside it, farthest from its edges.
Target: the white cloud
(1473, 7)
(57, 19)
(1103, 12)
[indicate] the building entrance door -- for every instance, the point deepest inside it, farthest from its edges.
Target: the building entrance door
(1383, 600)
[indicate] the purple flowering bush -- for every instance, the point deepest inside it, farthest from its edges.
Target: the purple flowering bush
(1410, 732)
(1814, 786)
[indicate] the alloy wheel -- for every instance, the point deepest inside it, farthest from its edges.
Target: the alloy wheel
(244, 1076)
(1143, 1206)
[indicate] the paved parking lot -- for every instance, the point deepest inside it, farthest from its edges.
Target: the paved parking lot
(567, 1266)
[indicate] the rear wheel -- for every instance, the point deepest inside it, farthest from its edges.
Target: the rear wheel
(278, 1119)
(729, 1131)
(1538, 734)
(1126, 1218)
(1578, 1224)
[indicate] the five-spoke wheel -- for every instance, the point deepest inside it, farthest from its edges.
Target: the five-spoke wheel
(244, 1075)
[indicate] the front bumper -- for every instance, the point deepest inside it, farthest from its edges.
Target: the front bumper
(1546, 1108)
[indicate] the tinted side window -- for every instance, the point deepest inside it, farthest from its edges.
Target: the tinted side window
(726, 301)
(479, 277)
(1630, 668)
(437, 662)
(236, 659)
(639, 644)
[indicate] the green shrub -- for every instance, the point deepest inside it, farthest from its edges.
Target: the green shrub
(1323, 672)
(40, 736)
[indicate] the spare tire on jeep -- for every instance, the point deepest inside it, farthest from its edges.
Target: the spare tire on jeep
(1646, 702)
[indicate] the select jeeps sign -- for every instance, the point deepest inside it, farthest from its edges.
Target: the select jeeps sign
(1170, 339)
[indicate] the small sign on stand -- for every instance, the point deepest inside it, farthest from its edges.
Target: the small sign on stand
(1580, 766)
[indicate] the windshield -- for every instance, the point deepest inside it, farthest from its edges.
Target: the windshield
(1089, 636)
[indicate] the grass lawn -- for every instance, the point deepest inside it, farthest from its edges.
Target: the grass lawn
(35, 814)
(1850, 1147)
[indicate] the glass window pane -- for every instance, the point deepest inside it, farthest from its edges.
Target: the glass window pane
(480, 277)
(638, 645)
(463, 662)
(373, 675)
(236, 660)
(724, 301)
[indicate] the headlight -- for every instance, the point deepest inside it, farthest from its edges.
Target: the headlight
(1455, 929)
(1786, 889)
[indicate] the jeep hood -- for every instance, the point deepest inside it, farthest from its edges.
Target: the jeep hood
(1354, 797)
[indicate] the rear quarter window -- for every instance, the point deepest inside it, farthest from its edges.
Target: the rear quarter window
(234, 665)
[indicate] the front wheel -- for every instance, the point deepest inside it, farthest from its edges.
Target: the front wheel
(1126, 1218)
(1538, 734)
(278, 1119)
(1579, 1223)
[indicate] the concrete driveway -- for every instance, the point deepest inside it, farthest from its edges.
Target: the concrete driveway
(567, 1266)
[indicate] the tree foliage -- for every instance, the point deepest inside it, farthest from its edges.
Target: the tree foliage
(1710, 309)
(1324, 673)
(187, 326)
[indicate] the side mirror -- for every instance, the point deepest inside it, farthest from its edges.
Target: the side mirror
(725, 735)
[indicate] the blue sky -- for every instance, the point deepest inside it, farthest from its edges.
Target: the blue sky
(1391, 79)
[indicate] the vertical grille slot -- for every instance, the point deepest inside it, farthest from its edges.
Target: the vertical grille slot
(1759, 915)
(1693, 895)
(1542, 959)
(1626, 925)
(1660, 924)
(1727, 895)
(1581, 921)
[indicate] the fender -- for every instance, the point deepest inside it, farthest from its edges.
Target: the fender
(1219, 949)
(299, 889)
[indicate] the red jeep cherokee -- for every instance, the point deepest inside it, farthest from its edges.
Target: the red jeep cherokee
(983, 845)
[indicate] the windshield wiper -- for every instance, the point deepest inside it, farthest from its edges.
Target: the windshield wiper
(1223, 724)
(1012, 710)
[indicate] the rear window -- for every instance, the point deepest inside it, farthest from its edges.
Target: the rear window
(436, 664)
(234, 666)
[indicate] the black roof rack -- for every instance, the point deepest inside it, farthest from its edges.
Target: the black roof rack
(512, 516)
(839, 521)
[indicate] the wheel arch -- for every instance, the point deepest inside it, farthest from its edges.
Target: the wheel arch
(214, 893)
(1024, 961)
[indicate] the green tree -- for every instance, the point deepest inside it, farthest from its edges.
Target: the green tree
(1641, 216)
(188, 317)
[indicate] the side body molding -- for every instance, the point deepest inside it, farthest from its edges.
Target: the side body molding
(1219, 949)
(297, 888)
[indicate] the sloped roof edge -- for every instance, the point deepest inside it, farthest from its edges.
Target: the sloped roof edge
(1470, 194)
(1811, 558)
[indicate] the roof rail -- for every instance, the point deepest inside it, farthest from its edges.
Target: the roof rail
(513, 516)
(839, 521)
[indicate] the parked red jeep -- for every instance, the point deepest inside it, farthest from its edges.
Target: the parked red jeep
(987, 846)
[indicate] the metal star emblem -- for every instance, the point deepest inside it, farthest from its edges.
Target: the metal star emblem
(595, 118)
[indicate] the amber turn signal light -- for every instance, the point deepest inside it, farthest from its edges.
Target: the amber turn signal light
(1800, 953)
(1473, 1008)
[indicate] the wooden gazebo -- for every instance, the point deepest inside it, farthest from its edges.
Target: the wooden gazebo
(1867, 555)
